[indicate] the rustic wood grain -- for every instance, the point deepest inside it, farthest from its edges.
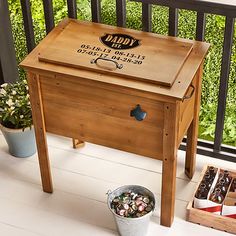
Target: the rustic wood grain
(186, 112)
(177, 90)
(92, 98)
(207, 218)
(192, 133)
(211, 220)
(77, 143)
(40, 131)
(95, 107)
(171, 114)
(102, 129)
(163, 65)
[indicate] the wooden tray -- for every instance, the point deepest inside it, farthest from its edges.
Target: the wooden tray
(210, 219)
(124, 52)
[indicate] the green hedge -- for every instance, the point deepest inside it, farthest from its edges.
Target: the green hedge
(187, 26)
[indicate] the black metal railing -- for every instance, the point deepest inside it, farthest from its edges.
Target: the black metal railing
(219, 7)
(8, 68)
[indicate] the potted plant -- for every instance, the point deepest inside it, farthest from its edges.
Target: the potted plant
(16, 119)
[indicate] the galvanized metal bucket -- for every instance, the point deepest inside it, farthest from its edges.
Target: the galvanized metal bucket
(131, 226)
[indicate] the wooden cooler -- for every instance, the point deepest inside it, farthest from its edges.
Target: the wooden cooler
(131, 90)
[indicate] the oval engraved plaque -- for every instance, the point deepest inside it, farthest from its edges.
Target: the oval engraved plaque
(119, 41)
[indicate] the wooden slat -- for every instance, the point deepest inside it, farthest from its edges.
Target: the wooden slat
(211, 220)
(90, 98)
(158, 74)
(96, 128)
(40, 130)
(94, 120)
(147, 17)
(78, 51)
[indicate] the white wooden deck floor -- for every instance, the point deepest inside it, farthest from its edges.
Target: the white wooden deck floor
(81, 179)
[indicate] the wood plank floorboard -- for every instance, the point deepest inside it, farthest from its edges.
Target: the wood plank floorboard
(81, 179)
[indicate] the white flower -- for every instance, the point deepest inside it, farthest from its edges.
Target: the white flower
(13, 92)
(27, 88)
(3, 91)
(12, 108)
(4, 85)
(27, 95)
(21, 116)
(9, 102)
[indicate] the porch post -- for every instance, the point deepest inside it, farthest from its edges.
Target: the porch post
(8, 67)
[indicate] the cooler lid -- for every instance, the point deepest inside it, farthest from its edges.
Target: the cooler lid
(118, 51)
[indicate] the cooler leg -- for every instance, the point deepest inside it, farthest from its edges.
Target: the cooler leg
(168, 192)
(192, 133)
(171, 114)
(40, 131)
(77, 143)
(190, 159)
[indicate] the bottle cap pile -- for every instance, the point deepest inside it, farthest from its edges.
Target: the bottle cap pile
(132, 205)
